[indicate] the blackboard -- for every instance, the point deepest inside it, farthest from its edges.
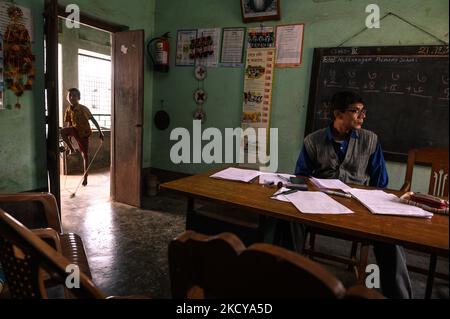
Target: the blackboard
(404, 88)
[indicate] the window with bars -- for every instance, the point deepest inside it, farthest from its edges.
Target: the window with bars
(94, 83)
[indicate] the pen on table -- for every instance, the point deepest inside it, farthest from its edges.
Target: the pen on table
(326, 191)
(286, 192)
(283, 178)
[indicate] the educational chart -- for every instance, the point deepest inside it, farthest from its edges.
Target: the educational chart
(232, 47)
(258, 87)
(208, 47)
(185, 52)
(257, 95)
(289, 40)
(200, 46)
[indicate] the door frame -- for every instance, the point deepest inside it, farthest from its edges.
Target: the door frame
(53, 118)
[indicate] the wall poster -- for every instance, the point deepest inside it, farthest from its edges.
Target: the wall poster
(289, 40)
(232, 47)
(257, 95)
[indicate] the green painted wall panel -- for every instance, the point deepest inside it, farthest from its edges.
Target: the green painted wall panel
(22, 131)
(327, 23)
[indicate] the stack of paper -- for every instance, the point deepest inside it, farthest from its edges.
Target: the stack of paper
(380, 202)
(330, 184)
(237, 174)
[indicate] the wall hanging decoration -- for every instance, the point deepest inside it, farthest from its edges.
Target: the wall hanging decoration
(200, 95)
(19, 71)
(200, 72)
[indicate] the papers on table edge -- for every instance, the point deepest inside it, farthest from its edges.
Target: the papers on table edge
(237, 174)
(316, 203)
(330, 184)
(312, 202)
(380, 202)
(247, 175)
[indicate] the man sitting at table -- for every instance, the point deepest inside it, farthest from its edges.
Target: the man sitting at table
(351, 154)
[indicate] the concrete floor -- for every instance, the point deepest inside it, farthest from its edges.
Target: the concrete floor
(127, 247)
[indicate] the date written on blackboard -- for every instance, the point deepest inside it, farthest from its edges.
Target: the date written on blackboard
(435, 50)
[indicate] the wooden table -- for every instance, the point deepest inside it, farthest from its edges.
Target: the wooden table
(426, 235)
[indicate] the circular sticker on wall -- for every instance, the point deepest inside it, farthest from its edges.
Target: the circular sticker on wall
(199, 114)
(200, 72)
(200, 96)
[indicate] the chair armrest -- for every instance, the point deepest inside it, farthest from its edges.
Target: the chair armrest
(361, 292)
(49, 234)
(46, 199)
(406, 186)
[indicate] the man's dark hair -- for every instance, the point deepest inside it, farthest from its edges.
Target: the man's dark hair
(76, 91)
(342, 100)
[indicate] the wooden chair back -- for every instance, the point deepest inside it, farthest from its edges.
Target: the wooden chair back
(34, 210)
(222, 267)
(27, 260)
(438, 159)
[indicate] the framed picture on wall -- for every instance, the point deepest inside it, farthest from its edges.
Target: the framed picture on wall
(260, 10)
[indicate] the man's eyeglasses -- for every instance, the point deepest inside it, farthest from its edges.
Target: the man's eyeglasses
(357, 111)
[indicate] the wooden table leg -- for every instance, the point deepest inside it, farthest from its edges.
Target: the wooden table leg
(430, 278)
(189, 212)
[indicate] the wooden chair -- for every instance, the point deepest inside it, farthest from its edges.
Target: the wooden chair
(39, 211)
(438, 159)
(28, 261)
(222, 267)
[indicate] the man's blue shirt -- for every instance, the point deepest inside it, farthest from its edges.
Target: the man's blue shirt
(377, 167)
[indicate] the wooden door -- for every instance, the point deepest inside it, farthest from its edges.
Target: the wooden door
(128, 82)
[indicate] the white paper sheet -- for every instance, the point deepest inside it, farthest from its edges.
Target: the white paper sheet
(330, 184)
(281, 198)
(237, 174)
(316, 203)
(380, 202)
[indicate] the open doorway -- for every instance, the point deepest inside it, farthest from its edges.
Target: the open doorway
(84, 62)
(127, 101)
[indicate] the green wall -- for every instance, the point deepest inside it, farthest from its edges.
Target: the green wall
(327, 24)
(22, 131)
(22, 137)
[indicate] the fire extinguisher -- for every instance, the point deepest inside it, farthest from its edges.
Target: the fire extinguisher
(158, 50)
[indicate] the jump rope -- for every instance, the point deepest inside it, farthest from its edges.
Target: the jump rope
(72, 195)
